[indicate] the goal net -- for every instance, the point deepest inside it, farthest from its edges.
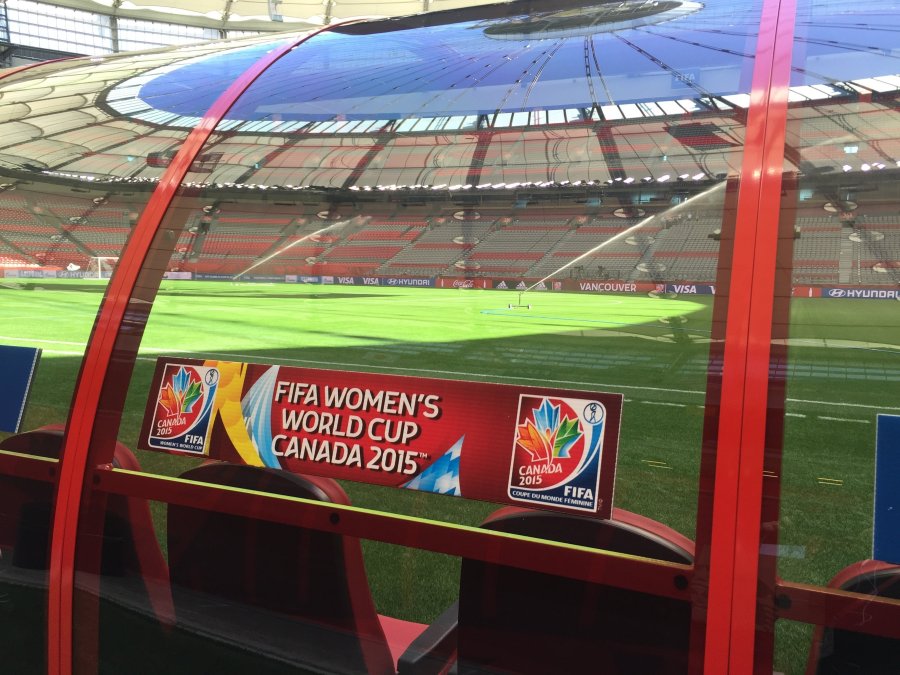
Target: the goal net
(101, 267)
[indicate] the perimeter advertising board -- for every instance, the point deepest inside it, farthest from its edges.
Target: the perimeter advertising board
(458, 282)
(849, 292)
(411, 282)
(548, 448)
(607, 286)
(519, 284)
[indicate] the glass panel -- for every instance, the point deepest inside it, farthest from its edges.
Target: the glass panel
(300, 602)
(373, 253)
(837, 339)
(297, 599)
(75, 176)
(59, 28)
(4, 24)
(135, 34)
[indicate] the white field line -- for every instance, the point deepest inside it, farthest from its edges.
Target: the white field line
(843, 419)
(43, 342)
(61, 352)
(851, 405)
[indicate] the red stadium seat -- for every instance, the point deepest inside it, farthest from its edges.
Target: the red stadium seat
(297, 596)
(134, 571)
(841, 652)
(133, 541)
(517, 621)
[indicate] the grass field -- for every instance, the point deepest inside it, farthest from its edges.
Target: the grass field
(843, 369)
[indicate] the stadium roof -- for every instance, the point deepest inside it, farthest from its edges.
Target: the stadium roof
(261, 14)
(593, 98)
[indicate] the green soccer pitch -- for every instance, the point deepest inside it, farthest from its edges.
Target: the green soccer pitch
(842, 369)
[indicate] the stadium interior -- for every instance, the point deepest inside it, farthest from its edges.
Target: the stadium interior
(683, 214)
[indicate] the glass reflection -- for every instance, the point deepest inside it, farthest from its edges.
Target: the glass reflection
(332, 190)
(839, 332)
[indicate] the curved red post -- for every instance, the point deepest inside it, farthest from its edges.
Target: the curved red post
(737, 502)
(96, 365)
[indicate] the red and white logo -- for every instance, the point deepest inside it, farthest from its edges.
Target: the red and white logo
(557, 450)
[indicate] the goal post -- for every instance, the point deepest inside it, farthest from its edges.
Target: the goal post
(101, 267)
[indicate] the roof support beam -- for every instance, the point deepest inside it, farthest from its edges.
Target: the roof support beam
(114, 26)
(226, 14)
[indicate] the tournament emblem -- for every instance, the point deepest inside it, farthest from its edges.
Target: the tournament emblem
(183, 408)
(556, 453)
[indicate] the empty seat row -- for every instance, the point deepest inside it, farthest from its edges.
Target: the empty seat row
(242, 594)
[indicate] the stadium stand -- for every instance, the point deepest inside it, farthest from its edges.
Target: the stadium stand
(65, 232)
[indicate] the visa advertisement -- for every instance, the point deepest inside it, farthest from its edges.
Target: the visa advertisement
(529, 446)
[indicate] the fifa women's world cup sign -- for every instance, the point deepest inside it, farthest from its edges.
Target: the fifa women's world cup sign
(548, 448)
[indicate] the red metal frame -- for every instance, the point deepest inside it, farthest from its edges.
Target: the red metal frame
(27, 466)
(83, 414)
(578, 562)
(730, 628)
(839, 609)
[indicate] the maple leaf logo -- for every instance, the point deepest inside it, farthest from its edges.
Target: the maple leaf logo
(538, 443)
(546, 437)
(180, 395)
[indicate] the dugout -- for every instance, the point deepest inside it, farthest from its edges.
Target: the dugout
(328, 382)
